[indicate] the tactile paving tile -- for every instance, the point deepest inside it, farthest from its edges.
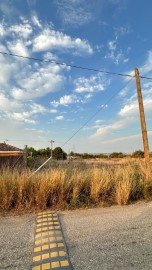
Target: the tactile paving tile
(49, 246)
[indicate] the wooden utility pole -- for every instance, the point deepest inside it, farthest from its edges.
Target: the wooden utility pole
(143, 124)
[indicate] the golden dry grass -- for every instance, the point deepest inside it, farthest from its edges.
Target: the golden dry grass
(70, 186)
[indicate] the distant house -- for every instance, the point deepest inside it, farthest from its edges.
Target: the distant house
(10, 155)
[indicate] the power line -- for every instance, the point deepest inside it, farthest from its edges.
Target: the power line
(106, 103)
(144, 77)
(100, 109)
(73, 66)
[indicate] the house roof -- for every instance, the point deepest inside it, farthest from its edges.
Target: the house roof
(10, 148)
(7, 150)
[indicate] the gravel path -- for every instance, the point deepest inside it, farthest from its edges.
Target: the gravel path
(110, 238)
(97, 239)
(16, 242)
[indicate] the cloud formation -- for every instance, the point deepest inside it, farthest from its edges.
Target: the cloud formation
(50, 39)
(74, 13)
(93, 84)
(23, 80)
(66, 100)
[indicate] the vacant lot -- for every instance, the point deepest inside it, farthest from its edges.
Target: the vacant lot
(74, 185)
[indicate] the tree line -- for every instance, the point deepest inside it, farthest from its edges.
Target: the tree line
(59, 154)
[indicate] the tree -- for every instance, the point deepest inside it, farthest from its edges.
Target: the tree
(102, 156)
(31, 152)
(138, 154)
(71, 154)
(117, 155)
(58, 153)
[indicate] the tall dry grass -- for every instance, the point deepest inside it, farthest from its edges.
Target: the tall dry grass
(71, 186)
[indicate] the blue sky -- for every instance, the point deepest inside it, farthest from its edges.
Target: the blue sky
(45, 101)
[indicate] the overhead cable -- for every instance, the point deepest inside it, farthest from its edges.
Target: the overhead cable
(101, 108)
(73, 66)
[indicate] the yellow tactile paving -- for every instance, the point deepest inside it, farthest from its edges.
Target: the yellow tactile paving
(36, 267)
(45, 247)
(37, 249)
(64, 263)
(53, 245)
(62, 253)
(55, 264)
(45, 266)
(54, 254)
(45, 256)
(36, 258)
(49, 250)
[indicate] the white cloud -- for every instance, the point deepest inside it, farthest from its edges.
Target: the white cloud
(129, 109)
(66, 100)
(147, 67)
(36, 21)
(93, 84)
(108, 129)
(18, 135)
(45, 79)
(74, 13)
(23, 80)
(8, 9)
(7, 72)
(122, 31)
(50, 56)
(120, 4)
(60, 117)
(31, 3)
(32, 34)
(99, 121)
(50, 39)
(37, 108)
(53, 111)
(130, 138)
(6, 104)
(123, 139)
(2, 30)
(132, 108)
(13, 109)
(23, 117)
(126, 60)
(128, 114)
(114, 53)
(88, 96)
(112, 45)
(124, 91)
(18, 47)
(116, 56)
(23, 30)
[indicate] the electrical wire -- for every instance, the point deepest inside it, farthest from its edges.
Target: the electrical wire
(82, 126)
(105, 104)
(73, 66)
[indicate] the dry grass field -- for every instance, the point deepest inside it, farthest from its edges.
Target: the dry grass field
(69, 185)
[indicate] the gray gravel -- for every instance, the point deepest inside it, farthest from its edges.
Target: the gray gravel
(110, 238)
(16, 242)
